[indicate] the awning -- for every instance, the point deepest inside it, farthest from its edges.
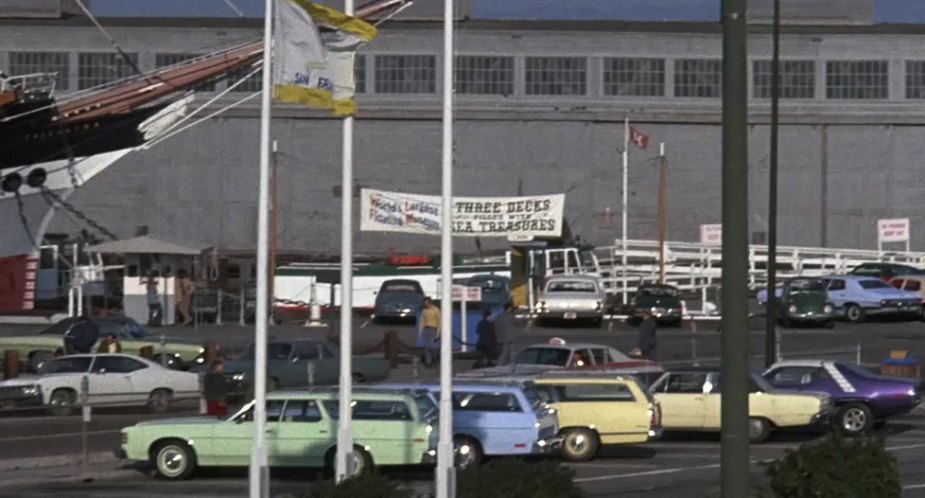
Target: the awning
(150, 244)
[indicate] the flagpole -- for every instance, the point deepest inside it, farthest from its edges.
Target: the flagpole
(445, 481)
(259, 475)
(626, 163)
(343, 467)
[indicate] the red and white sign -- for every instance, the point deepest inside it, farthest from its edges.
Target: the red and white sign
(895, 230)
(461, 292)
(640, 139)
(711, 235)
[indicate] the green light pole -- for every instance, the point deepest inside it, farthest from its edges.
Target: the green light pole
(734, 459)
(770, 339)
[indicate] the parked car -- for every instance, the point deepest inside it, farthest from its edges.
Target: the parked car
(912, 283)
(857, 297)
(496, 418)
(288, 365)
(861, 398)
(559, 354)
(496, 289)
(600, 410)
(802, 300)
(36, 349)
(572, 297)
(885, 271)
(663, 301)
(389, 428)
(112, 380)
(691, 399)
(398, 299)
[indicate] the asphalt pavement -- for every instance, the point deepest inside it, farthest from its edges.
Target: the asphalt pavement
(677, 466)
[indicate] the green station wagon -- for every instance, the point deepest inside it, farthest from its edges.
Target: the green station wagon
(390, 428)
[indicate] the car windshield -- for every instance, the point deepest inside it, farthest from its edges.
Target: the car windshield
(67, 365)
(401, 287)
(867, 270)
(658, 291)
(806, 285)
(544, 356)
(275, 351)
(873, 284)
(426, 406)
(533, 397)
(571, 286)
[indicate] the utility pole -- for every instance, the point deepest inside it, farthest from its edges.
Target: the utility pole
(662, 210)
(770, 353)
(734, 459)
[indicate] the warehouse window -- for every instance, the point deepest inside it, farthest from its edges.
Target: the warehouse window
(253, 83)
(41, 62)
(482, 75)
(697, 78)
(856, 80)
(634, 77)
(94, 69)
(797, 79)
(915, 79)
(406, 74)
(556, 75)
(164, 60)
(359, 74)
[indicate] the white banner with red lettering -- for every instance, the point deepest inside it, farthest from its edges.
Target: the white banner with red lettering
(895, 230)
(531, 216)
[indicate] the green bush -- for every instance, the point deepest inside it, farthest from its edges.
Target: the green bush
(516, 478)
(363, 486)
(836, 468)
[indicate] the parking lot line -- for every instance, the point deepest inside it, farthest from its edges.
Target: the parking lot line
(905, 447)
(914, 486)
(647, 473)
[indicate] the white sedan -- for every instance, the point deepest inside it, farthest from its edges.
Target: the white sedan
(572, 297)
(111, 380)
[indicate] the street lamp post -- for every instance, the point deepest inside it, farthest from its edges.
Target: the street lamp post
(770, 353)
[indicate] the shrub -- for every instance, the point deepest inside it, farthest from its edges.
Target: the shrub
(835, 468)
(362, 486)
(517, 478)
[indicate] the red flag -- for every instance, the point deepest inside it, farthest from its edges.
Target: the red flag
(637, 137)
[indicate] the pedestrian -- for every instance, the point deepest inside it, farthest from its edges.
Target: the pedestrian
(110, 345)
(429, 330)
(487, 343)
(647, 342)
(81, 336)
(215, 390)
(505, 332)
(155, 309)
(183, 294)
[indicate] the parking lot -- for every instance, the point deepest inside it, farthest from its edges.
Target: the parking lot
(677, 465)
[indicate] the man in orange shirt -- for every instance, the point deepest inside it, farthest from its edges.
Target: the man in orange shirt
(429, 330)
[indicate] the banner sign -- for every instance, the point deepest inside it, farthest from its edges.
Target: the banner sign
(463, 293)
(522, 217)
(895, 230)
(711, 235)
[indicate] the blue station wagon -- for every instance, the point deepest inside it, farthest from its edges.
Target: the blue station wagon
(858, 296)
(496, 418)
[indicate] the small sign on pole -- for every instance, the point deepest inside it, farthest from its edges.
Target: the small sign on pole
(465, 294)
(893, 230)
(711, 235)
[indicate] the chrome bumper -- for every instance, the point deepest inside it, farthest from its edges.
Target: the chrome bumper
(547, 446)
(429, 457)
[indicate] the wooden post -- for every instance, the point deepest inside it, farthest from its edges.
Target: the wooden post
(11, 366)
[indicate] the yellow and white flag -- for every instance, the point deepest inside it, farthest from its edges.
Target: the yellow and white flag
(312, 67)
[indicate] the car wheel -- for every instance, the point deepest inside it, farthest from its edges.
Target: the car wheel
(37, 360)
(854, 313)
(467, 452)
(361, 460)
(174, 460)
(854, 419)
(758, 430)
(62, 402)
(579, 445)
(159, 401)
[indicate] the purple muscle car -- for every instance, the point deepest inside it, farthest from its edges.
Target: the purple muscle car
(861, 397)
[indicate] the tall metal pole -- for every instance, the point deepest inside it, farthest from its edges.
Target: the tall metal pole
(662, 210)
(626, 165)
(344, 464)
(274, 214)
(770, 351)
(734, 460)
(259, 474)
(445, 481)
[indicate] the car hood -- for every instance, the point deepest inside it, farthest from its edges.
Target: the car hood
(22, 380)
(815, 300)
(178, 421)
(409, 299)
(658, 301)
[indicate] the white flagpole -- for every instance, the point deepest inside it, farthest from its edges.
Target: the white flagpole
(445, 481)
(343, 467)
(259, 469)
(626, 163)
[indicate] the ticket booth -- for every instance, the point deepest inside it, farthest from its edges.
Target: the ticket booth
(152, 257)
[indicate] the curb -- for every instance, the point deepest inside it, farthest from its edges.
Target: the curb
(55, 461)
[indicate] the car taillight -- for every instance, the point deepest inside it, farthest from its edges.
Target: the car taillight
(655, 416)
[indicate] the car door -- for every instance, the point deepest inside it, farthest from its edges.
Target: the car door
(682, 399)
(110, 382)
(232, 441)
(303, 435)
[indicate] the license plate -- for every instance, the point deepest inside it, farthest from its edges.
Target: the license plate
(570, 316)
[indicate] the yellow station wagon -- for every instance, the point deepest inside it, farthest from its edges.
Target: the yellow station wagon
(597, 410)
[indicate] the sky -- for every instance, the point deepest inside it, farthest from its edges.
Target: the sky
(888, 11)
